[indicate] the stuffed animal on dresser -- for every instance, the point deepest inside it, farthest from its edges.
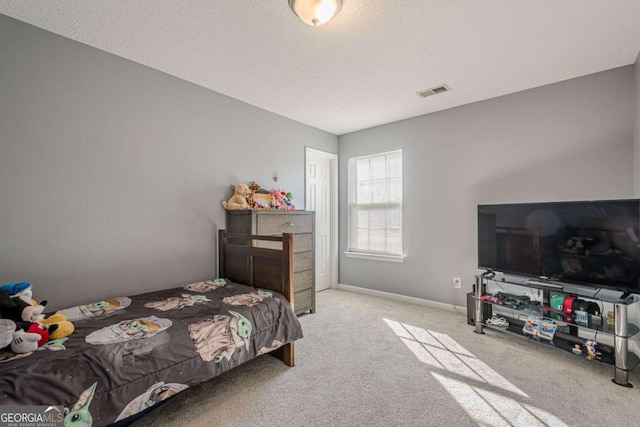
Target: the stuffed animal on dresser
(239, 199)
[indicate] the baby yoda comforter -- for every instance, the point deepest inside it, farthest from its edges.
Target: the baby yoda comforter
(129, 353)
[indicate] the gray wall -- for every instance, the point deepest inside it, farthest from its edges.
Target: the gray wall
(636, 133)
(567, 141)
(111, 173)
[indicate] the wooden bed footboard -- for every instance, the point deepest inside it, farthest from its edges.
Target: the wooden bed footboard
(252, 260)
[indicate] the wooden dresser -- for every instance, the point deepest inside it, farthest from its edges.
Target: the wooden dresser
(274, 223)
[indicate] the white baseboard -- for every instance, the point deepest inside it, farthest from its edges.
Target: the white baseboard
(397, 297)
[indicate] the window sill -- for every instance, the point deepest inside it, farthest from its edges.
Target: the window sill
(376, 257)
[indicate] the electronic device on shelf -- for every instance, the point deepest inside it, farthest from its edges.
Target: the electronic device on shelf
(517, 302)
(594, 244)
(544, 284)
(513, 301)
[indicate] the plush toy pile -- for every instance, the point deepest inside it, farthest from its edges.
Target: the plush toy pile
(23, 327)
(259, 198)
(282, 200)
(256, 197)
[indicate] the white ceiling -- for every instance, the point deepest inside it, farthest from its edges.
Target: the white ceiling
(363, 68)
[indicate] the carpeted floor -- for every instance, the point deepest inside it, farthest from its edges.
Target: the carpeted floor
(419, 367)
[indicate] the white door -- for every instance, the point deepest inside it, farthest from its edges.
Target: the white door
(319, 198)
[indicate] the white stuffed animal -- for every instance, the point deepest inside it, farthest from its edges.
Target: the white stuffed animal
(21, 341)
(239, 199)
(24, 342)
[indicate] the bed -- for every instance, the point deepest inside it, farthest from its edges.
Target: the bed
(130, 353)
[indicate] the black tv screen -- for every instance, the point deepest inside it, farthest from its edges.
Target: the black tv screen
(593, 243)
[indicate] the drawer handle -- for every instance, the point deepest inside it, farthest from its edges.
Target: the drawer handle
(287, 224)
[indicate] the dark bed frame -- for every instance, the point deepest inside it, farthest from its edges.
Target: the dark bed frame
(240, 259)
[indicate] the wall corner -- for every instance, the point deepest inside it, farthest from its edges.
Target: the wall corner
(636, 128)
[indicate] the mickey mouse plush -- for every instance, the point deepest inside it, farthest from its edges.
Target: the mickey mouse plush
(26, 316)
(15, 334)
(22, 309)
(26, 309)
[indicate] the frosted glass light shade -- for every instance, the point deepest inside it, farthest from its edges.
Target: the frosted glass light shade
(315, 12)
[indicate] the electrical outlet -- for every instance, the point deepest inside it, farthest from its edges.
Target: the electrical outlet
(457, 282)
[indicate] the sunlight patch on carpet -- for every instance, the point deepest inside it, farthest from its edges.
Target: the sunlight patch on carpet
(441, 351)
(421, 354)
(491, 376)
(450, 344)
(488, 408)
(399, 329)
(420, 335)
(483, 406)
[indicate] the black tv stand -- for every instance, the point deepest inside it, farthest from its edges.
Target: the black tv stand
(620, 331)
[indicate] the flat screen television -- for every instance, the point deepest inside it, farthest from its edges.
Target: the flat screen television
(592, 243)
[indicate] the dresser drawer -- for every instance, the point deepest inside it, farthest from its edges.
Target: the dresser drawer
(301, 243)
(270, 225)
(302, 261)
(302, 280)
(302, 301)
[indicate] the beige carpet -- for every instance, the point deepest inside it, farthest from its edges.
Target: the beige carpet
(419, 367)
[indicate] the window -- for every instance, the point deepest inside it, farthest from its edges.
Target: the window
(375, 205)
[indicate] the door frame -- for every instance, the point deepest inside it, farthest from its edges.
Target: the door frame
(333, 176)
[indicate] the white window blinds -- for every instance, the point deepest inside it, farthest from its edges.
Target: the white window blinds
(375, 203)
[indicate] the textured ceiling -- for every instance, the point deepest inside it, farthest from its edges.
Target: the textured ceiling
(363, 68)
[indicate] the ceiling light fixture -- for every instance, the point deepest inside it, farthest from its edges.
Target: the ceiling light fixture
(315, 12)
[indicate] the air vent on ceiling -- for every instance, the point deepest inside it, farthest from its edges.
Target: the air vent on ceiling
(434, 91)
